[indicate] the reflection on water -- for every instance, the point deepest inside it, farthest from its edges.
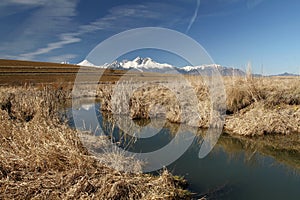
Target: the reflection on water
(237, 168)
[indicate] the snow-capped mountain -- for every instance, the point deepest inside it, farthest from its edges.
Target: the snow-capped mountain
(138, 64)
(208, 70)
(86, 63)
(143, 65)
(149, 65)
(146, 63)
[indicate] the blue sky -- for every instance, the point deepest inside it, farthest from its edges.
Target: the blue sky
(234, 32)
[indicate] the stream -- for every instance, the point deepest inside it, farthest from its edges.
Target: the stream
(234, 169)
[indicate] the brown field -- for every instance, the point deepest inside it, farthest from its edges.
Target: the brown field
(42, 158)
(14, 72)
(254, 106)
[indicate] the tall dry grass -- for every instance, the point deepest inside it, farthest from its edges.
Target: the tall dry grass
(41, 158)
(26, 103)
(263, 105)
(172, 100)
(254, 105)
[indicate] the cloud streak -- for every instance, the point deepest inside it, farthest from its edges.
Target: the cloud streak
(193, 17)
(53, 22)
(23, 2)
(131, 16)
(49, 20)
(253, 3)
(65, 39)
(119, 18)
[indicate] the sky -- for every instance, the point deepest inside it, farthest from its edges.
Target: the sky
(265, 33)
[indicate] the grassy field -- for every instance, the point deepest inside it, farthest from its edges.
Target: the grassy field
(254, 106)
(42, 158)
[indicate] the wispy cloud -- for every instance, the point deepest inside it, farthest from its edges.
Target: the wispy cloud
(22, 2)
(194, 16)
(49, 20)
(65, 39)
(119, 18)
(117, 15)
(249, 3)
(10, 7)
(53, 22)
(253, 3)
(130, 16)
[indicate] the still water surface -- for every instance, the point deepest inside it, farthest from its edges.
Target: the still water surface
(232, 170)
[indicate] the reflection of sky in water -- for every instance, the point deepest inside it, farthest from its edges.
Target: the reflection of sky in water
(224, 173)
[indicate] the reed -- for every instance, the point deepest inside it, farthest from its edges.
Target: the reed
(42, 158)
(254, 106)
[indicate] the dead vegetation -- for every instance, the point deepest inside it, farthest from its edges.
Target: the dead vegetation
(254, 106)
(264, 106)
(41, 158)
(251, 102)
(25, 103)
(173, 100)
(44, 159)
(259, 120)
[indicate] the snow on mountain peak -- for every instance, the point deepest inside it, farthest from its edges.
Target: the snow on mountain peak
(143, 64)
(201, 67)
(149, 65)
(86, 63)
(138, 60)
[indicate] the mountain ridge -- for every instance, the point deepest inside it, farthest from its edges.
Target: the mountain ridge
(148, 65)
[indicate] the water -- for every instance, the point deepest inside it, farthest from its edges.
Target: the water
(233, 170)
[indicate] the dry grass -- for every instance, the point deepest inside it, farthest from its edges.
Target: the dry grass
(26, 103)
(259, 120)
(41, 158)
(158, 99)
(242, 92)
(255, 106)
(261, 106)
(272, 91)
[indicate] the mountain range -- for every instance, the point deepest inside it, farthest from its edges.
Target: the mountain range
(148, 65)
(287, 74)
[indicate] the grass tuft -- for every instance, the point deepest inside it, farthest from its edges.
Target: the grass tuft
(44, 159)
